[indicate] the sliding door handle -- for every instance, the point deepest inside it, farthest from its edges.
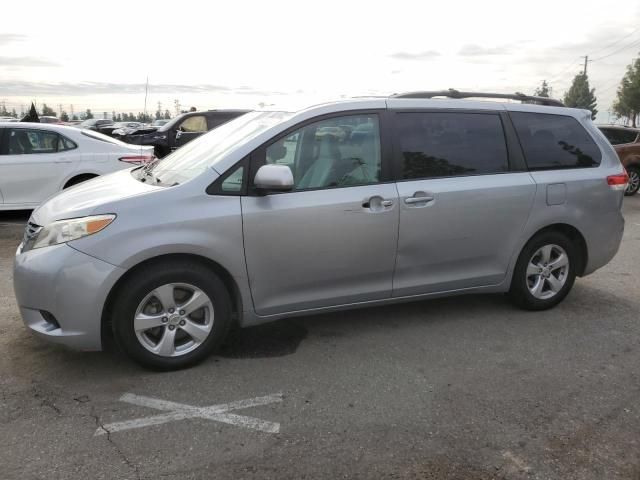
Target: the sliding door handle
(413, 200)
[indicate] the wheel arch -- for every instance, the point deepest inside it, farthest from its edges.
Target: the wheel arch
(227, 279)
(76, 175)
(574, 235)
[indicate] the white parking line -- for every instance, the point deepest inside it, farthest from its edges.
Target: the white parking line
(181, 411)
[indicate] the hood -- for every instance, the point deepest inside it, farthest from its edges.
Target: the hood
(87, 197)
(141, 131)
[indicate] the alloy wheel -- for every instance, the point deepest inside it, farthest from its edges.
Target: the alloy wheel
(547, 271)
(174, 319)
(634, 181)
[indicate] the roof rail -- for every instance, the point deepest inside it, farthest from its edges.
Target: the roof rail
(452, 93)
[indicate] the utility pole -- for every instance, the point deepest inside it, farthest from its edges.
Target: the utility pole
(71, 110)
(60, 109)
(586, 61)
(176, 103)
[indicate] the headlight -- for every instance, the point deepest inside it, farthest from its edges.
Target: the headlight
(64, 231)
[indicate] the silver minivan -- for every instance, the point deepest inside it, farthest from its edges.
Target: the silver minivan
(343, 205)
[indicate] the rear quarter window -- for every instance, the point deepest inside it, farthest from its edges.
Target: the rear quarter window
(553, 142)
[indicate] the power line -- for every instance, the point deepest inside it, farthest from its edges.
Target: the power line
(572, 64)
(616, 42)
(635, 43)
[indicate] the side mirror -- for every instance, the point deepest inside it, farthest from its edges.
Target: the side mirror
(274, 178)
(178, 134)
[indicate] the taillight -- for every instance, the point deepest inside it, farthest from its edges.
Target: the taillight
(619, 181)
(137, 159)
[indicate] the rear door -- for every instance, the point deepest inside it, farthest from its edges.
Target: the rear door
(332, 240)
(464, 199)
(33, 164)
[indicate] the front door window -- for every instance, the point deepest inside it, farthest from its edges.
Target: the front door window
(337, 152)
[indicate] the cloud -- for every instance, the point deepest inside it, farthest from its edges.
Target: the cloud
(472, 50)
(426, 55)
(11, 37)
(15, 88)
(26, 62)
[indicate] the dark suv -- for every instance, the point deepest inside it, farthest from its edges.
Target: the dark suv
(181, 129)
(626, 142)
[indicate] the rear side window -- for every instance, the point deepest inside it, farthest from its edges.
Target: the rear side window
(24, 142)
(65, 144)
(451, 144)
(555, 141)
(217, 120)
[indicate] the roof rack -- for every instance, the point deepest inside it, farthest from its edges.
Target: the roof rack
(452, 93)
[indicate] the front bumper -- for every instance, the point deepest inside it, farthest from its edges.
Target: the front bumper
(61, 293)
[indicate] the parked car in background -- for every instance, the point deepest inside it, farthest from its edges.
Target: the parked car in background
(114, 129)
(9, 119)
(38, 160)
(180, 130)
(95, 123)
(626, 142)
(160, 122)
(279, 214)
(49, 119)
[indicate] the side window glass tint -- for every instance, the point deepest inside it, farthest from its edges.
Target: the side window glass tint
(24, 142)
(197, 123)
(554, 141)
(233, 183)
(337, 152)
(451, 144)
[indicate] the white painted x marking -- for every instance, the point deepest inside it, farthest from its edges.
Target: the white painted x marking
(180, 411)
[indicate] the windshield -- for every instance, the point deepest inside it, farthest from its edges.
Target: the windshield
(102, 137)
(203, 152)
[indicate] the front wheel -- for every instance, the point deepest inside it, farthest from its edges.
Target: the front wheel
(545, 271)
(634, 181)
(171, 315)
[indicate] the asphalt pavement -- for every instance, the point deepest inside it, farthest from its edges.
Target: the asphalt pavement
(459, 388)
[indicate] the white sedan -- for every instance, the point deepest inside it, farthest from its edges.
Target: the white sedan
(38, 160)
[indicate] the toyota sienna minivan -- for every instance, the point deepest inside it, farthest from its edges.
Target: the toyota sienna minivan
(343, 205)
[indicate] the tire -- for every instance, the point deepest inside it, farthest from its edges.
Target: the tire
(78, 179)
(634, 181)
(542, 287)
(151, 321)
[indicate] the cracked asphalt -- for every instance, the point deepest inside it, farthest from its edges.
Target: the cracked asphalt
(459, 388)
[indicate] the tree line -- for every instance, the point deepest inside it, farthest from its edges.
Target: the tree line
(626, 106)
(47, 111)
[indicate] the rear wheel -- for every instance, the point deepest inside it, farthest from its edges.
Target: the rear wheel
(634, 181)
(545, 271)
(171, 315)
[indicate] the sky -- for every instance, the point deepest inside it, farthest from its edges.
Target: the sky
(292, 54)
